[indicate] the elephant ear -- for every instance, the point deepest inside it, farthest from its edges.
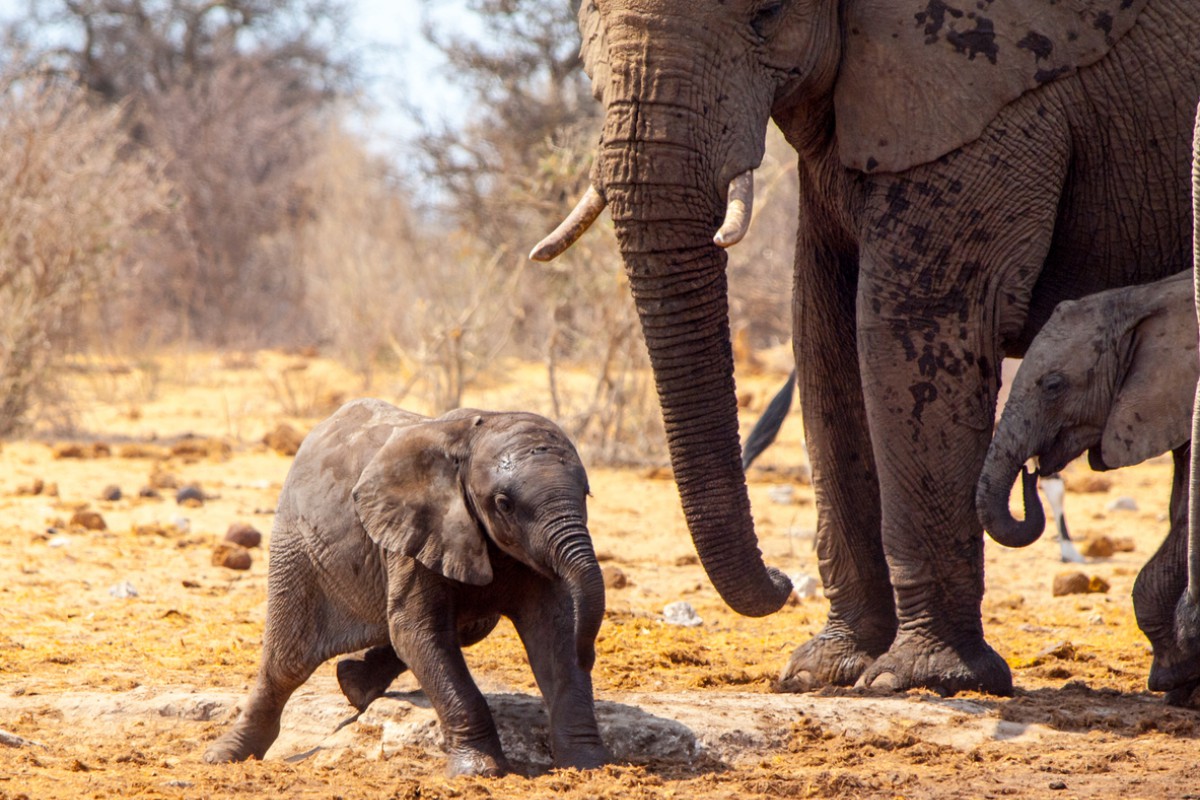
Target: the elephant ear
(411, 500)
(920, 78)
(1152, 410)
(594, 46)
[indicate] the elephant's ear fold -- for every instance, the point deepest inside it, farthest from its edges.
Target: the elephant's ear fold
(594, 46)
(1152, 410)
(920, 78)
(411, 500)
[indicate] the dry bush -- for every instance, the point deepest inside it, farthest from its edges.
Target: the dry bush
(72, 195)
(234, 148)
(384, 285)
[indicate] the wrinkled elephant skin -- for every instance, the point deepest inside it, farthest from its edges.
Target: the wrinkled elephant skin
(962, 171)
(1113, 375)
(408, 538)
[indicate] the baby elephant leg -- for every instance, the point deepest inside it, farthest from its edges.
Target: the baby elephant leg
(435, 658)
(292, 649)
(545, 625)
(367, 674)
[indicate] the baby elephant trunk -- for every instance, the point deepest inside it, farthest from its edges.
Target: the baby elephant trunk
(572, 558)
(1003, 466)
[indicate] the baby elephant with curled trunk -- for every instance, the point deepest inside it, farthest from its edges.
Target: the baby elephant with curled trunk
(412, 537)
(1112, 374)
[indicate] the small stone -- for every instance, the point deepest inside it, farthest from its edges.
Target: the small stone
(1100, 547)
(1012, 602)
(163, 480)
(1097, 585)
(783, 494)
(59, 541)
(804, 587)
(34, 488)
(1124, 544)
(681, 613)
(149, 493)
(243, 534)
(1057, 785)
(690, 560)
(1122, 504)
(181, 524)
(89, 520)
(1069, 583)
(1063, 650)
(614, 577)
(231, 556)
(284, 439)
(190, 495)
(123, 590)
(111, 493)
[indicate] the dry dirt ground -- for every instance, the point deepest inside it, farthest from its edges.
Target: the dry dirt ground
(104, 693)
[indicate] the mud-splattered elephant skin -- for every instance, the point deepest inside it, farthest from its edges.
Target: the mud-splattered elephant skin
(964, 167)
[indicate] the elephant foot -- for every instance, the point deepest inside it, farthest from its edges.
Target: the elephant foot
(914, 661)
(367, 674)
(589, 756)
(475, 762)
(1184, 696)
(834, 657)
(239, 744)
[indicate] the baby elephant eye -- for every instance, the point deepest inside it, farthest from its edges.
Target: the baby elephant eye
(1054, 383)
(504, 504)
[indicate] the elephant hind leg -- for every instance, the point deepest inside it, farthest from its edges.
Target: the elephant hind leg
(367, 674)
(293, 647)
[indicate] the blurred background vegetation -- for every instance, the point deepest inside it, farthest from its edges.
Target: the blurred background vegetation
(199, 174)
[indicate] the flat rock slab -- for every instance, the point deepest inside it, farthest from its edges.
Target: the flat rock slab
(640, 728)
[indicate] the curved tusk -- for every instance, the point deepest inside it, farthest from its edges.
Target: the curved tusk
(738, 206)
(571, 228)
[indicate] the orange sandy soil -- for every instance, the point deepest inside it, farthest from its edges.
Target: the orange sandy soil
(197, 626)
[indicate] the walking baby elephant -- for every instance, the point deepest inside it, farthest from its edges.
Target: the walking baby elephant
(412, 536)
(1112, 374)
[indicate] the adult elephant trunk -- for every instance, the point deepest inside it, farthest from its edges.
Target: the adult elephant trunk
(665, 216)
(1004, 464)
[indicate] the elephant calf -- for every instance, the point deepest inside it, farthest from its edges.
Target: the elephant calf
(1112, 374)
(411, 537)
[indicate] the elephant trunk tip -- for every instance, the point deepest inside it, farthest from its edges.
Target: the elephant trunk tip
(757, 599)
(992, 503)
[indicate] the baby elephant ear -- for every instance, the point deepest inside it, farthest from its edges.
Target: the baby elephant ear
(1152, 411)
(411, 501)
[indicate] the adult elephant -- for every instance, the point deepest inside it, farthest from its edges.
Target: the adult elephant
(964, 166)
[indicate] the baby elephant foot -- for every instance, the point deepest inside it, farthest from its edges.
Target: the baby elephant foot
(918, 662)
(834, 657)
(476, 762)
(590, 756)
(238, 744)
(367, 674)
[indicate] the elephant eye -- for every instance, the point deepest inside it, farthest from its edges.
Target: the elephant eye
(766, 17)
(504, 504)
(1054, 383)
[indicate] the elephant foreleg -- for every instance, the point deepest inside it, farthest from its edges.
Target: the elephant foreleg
(950, 254)
(862, 616)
